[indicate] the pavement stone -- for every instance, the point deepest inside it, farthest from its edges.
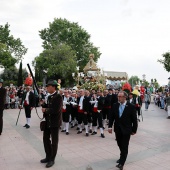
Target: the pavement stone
(22, 149)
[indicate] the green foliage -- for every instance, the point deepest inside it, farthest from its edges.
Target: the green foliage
(165, 61)
(6, 60)
(11, 49)
(56, 62)
(62, 31)
(10, 74)
(133, 80)
(20, 77)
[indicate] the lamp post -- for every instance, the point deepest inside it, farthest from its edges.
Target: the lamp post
(78, 75)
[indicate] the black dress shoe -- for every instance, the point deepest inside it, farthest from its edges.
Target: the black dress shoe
(63, 131)
(77, 128)
(67, 133)
(44, 160)
(28, 126)
(94, 133)
(119, 166)
(102, 135)
(72, 126)
(87, 134)
(83, 129)
(25, 125)
(90, 131)
(118, 161)
(79, 132)
(50, 164)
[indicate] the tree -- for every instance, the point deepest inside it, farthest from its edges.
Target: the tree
(6, 60)
(165, 61)
(11, 49)
(20, 77)
(57, 62)
(10, 74)
(62, 31)
(134, 80)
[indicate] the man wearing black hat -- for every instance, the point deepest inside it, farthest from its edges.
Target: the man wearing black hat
(52, 112)
(2, 103)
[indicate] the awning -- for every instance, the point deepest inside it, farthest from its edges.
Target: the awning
(114, 75)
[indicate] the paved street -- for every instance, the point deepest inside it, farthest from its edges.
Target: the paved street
(22, 149)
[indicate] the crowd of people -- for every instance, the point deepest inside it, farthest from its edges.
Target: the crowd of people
(84, 110)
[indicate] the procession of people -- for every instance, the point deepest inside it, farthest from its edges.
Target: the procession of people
(87, 112)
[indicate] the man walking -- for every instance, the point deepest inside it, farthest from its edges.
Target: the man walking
(124, 116)
(28, 102)
(2, 103)
(52, 113)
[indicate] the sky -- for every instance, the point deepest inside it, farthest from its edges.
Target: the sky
(131, 34)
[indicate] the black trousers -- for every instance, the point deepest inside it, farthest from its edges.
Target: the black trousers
(106, 113)
(74, 113)
(66, 117)
(123, 143)
(27, 111)
(97, 117)
(138, 110)
(82, 118)
(1, 120)
(50, 140)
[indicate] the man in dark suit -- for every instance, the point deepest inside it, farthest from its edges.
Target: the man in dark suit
(28, 102)
(83, 111)
(2, 103)
(67, 109)
(53, 115)
(124, 116)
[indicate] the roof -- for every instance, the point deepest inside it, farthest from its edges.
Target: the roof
(114, 75)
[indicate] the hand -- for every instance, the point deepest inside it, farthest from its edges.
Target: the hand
(85, 113)
(133, 133)
(31, 108)
(20, 107)
(43, 110)
(110, 130)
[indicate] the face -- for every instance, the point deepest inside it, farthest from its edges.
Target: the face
(99, 93)
(65, 93)
(59, 81)
(105, 93)
(81, 92)
(50, 89)
(121, 97)
(27, 88)
(110, 92)
(130, 96)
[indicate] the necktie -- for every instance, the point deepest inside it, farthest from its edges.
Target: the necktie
(120, 110)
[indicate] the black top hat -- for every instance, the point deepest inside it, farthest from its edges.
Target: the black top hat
(1, 80)
(52, 83)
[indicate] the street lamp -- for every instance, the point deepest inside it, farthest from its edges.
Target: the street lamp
(78, 75)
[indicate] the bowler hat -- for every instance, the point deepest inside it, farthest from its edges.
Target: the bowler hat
(1, 80)
(52, 83)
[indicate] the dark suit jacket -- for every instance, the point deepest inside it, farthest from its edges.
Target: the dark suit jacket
(127, 122)
(31, 99)
(114, 99)
(100, 103)
(107, 100)
(2, 98)
(68, 106)
(86, 104)
(53, 113)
